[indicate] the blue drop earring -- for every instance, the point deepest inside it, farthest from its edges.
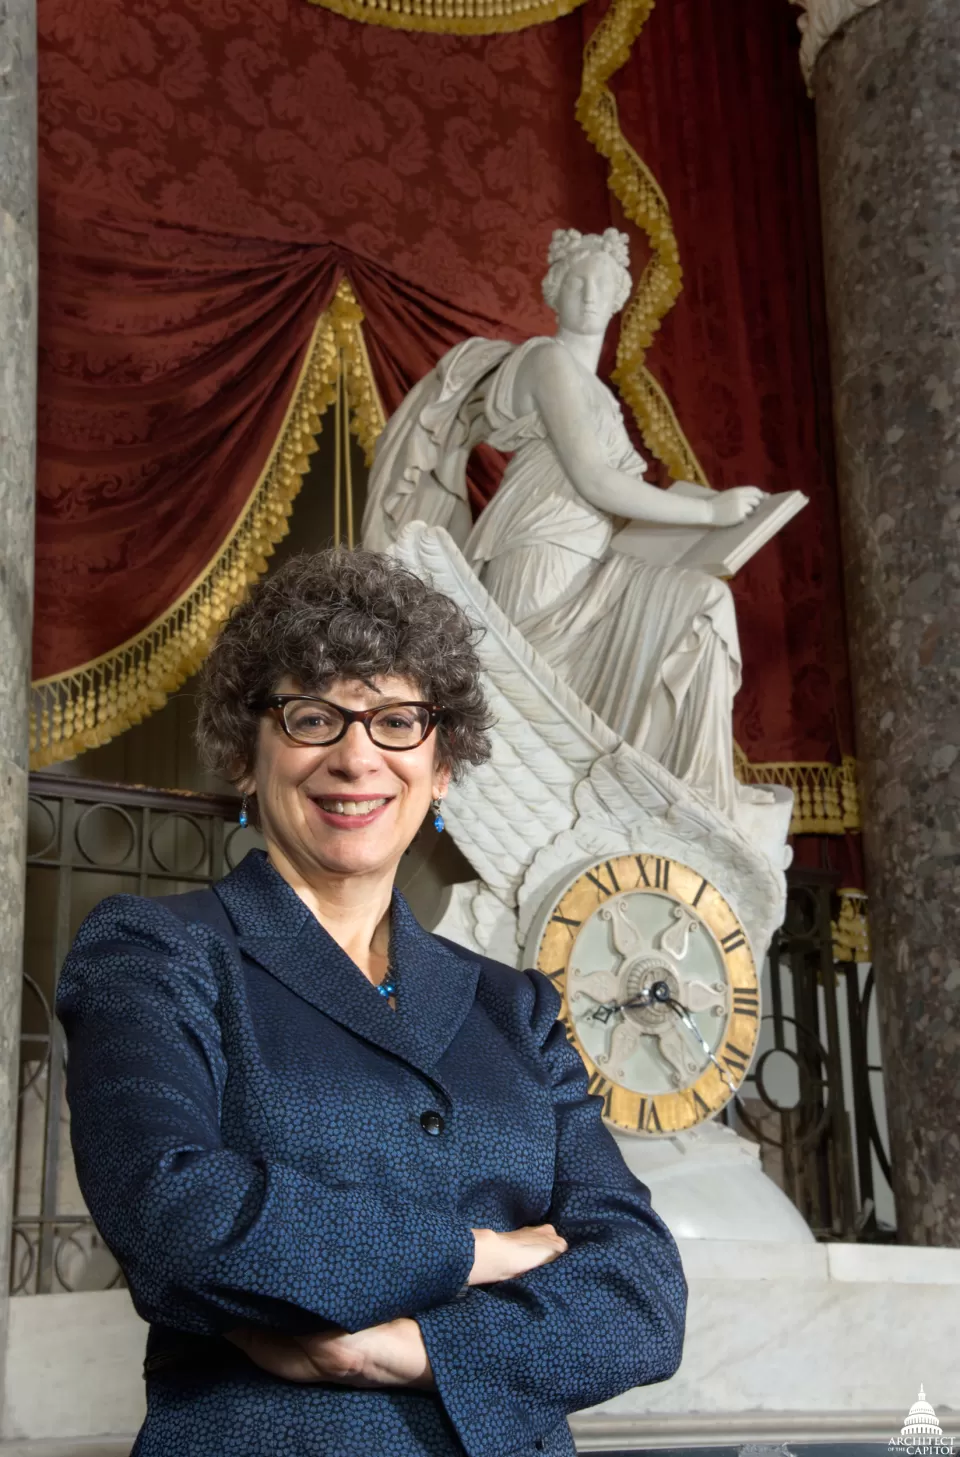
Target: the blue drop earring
(437, 816)
(244, 817)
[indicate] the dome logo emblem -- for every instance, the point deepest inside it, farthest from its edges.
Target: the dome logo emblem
(921, 1434)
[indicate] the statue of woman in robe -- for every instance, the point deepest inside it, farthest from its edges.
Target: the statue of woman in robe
(653, 650)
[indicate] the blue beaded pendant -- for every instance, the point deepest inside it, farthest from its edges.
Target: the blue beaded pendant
(386, 988)
(244, 817)
(437, 817)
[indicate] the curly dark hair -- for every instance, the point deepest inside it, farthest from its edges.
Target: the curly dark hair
(341, 614)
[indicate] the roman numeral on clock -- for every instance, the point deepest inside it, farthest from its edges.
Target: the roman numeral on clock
(599, 883)
(702, 1108)
(734, 940)
(734, 1057)
(704, 885)
(647, 1116)
(602, 1087)
(565, 920)
(746, 1003)
(661, 873)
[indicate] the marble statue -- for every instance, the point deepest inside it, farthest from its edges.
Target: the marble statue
(561, 791)
(610, 678)
(652, 649)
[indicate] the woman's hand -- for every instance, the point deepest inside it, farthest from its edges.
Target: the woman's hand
(392, 1354)
(331, 1356)
(504, 1256)
(731, 507)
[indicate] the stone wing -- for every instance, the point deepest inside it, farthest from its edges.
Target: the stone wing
(561, 788)
(545, 741)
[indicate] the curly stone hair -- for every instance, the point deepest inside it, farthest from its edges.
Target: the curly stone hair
(341, 614)
(568, 246)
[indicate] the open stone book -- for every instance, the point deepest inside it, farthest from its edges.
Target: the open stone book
(719, 550)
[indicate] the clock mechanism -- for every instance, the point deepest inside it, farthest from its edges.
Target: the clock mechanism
(660, 991)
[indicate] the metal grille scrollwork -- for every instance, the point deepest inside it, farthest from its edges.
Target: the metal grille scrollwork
(812, 1098)
(87, 840)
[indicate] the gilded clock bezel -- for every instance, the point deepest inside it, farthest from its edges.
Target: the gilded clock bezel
(662, 1114)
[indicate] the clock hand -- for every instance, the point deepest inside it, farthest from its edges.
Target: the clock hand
(604, 1011)
(659, 992)
(688, 1022)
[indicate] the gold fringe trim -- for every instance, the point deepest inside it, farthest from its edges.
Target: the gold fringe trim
(91, 704)
(452, 17)
(367, 415)
(851, 933)
(826, 798)
(644, 203)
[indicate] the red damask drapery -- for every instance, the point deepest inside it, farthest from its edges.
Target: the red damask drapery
(211, 171)
(743, 353)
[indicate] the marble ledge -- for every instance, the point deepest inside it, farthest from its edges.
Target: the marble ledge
(840, 1263)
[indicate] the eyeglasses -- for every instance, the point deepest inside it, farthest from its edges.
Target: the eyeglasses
(315, 722)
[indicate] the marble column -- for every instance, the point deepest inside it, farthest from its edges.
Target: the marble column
(887, 88)
(18, 313)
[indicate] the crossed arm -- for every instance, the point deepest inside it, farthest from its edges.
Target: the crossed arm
(216, 1242)
(393, 1353)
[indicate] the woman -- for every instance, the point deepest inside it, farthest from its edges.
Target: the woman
(652, 649)
(351, 1171)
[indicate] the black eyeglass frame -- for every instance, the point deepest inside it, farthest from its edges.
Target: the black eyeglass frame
(277, 702)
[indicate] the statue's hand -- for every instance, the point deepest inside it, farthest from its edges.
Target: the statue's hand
(733, 506)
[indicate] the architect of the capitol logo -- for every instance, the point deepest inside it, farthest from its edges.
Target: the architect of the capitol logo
(921, 1434)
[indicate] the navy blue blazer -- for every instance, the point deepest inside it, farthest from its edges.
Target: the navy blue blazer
(248, 1122)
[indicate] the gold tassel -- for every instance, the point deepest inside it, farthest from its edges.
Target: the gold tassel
(851, 933)
(826, 799)
(90, 705)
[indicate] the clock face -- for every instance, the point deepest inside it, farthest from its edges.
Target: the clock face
(660, 991)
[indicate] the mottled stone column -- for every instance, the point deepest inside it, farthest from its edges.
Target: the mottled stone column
(18, 312)
(887, 91)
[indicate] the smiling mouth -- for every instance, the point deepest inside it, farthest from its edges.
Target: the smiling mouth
(350, 806)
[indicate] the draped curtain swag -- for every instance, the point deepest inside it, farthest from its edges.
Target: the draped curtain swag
(239, 196)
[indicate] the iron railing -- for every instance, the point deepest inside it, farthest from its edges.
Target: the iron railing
(812, 1097)
(86, 840)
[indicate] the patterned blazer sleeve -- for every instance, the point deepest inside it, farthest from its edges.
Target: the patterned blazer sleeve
(605, 1316)
(208, 1237)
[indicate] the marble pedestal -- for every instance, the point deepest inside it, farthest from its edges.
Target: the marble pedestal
(708, 1184)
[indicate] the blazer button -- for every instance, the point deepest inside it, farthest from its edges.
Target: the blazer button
(431, 1122)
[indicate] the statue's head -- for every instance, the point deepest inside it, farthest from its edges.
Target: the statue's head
(589, 278)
